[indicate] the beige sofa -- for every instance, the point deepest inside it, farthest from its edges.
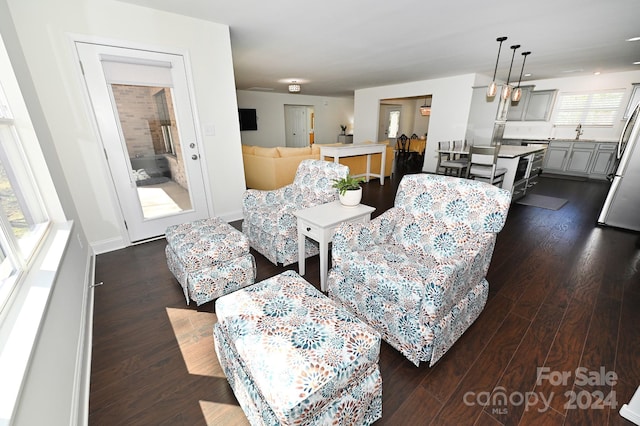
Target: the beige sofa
(275, 167)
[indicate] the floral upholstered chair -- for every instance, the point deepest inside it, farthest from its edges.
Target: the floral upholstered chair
(416, 273)
(269, 222)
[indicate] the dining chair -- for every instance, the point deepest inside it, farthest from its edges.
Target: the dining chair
(447, 152)
(483, 165)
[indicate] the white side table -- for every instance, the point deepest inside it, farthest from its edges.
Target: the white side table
(319, 223)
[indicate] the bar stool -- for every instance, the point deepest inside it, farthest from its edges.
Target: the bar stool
(447, 161)
(483, 165)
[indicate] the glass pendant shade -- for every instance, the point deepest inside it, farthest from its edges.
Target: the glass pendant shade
(516, 95)
(506, 91)
(493, 87)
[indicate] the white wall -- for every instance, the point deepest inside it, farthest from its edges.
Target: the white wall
(543, 130)
(45, 30)
(450, 107)
(330, 113)
(51, 390)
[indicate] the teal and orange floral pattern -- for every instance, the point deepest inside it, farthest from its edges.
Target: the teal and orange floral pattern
(416, 273)
(269, 222)
(294, 356)
(209, 258)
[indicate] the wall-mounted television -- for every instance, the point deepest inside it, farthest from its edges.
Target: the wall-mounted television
(248, 119)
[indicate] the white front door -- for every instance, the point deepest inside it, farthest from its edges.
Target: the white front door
(145, 118)
(295, 123)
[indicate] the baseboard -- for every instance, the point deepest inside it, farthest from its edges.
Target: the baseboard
(82, 380)
(232, 216)
(106, 246)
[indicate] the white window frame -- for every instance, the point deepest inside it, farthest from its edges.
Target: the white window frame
(589, 108)
(23, 308)
(19, 252)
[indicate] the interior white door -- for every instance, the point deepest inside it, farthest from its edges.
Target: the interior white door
(295, 123)
(144, 114)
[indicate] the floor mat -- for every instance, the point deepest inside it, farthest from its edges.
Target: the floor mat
(542, 201)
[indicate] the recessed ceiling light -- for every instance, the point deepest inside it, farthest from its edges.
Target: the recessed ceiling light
(636, 63)
(634, 39)
(528, 74)
(596, 73)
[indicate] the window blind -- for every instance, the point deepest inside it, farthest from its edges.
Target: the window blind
(589, 108)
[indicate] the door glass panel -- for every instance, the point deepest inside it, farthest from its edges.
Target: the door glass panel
(394, 123)
(148, 126)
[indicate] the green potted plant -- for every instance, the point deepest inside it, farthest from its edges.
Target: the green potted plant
(343, 127)
(349, 190)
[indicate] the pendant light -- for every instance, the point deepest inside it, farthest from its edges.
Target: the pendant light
(424, 109)
(493, 87)
(506, 89)
(517, 94)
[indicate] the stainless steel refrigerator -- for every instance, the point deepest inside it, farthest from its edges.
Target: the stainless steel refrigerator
(622, 205)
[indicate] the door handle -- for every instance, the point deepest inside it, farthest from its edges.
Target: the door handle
(194, 157)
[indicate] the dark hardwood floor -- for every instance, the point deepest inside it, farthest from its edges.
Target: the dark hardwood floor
(564, 294)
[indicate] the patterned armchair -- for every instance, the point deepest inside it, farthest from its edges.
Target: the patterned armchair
(269, 222)
(416, 273)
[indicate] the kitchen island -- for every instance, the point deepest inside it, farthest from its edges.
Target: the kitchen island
(523, 164)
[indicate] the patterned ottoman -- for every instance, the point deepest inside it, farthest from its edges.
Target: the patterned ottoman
(209, 258)
(294, 356)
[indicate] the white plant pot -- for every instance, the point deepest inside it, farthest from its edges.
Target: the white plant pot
(351, 198)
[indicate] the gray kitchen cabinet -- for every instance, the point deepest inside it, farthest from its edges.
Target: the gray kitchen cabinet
(517, 109)
(594, 160)
(555, 159)
(603, 161)
(580, 157)
(540, 105)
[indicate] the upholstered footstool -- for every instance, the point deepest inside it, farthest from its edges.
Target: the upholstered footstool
(209, 258)
(294, 356)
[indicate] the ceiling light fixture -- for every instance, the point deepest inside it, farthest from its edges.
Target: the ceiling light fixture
(517, 94)
(294, 87)
(506, 88)
(425, 109)
(634, 39)
(493, 87)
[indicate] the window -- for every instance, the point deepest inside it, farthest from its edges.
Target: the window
(23, 218)
(589, 108)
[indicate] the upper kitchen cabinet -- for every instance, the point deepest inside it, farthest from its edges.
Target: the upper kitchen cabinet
(516, 109)
(535, 105)
(540, 105)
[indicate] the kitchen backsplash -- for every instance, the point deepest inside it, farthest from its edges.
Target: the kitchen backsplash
(546, 130)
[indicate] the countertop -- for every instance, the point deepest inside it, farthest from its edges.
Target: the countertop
(547, 141)
(513, 151)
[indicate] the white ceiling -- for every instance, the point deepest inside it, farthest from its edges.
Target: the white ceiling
(334, 47)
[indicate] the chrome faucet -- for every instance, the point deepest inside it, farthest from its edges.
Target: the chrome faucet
(579, 131)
